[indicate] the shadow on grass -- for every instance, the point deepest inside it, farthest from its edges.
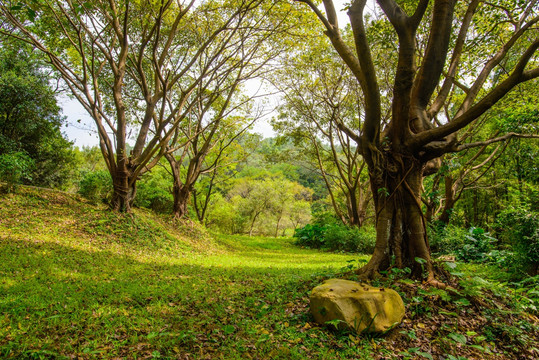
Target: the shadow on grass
(68, 300)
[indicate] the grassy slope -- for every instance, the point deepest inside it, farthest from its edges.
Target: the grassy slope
(79, 281)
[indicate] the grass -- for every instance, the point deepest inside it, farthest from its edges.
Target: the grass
(77, 281)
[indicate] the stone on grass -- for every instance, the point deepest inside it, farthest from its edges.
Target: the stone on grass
(356, 306)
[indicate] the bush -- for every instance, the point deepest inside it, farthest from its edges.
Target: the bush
(344, 238)
(521, 231)
(153, 191)
(14, 168)
(96, 186)
(337, 237)
(311, 235)
(445, 239)
(477, 246)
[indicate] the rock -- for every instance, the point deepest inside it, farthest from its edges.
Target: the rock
(360, 307)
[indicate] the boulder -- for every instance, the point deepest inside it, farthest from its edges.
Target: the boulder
(360, 307)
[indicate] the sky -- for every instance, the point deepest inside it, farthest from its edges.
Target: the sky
(81, 129)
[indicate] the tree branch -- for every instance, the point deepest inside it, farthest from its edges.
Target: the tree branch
(495, 140)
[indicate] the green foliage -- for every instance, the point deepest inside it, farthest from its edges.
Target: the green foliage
(520, 228)
(337, 237)
(15, 168)
(477, 245)
(265, 204)
(311, 236)
(445, 239)
(343, 238)
(96, 186)
(30, 119)
(153, 191)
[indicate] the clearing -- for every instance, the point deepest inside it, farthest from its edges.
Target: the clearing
(77, 281)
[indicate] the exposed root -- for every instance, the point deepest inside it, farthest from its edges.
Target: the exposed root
(368, 272)
(432, 281)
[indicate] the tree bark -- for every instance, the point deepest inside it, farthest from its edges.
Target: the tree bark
(181, 195)
(450, 200)
(400, 226)
(124, 188)
(253, 224)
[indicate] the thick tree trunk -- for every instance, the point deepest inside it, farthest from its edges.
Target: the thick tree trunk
(181, 195)
(400, 226)
(123, 193)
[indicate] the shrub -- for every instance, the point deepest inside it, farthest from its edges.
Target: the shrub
(445, 239)
(477, 245)
(344, 238)
(15, 168)
(311, 235)
(337, 237)
(153, 191)
(96, 186)
(521, 231)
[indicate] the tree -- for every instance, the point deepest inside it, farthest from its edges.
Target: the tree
(219, 113)
(132, 66)
(477, 171)
(455, 60)
(31, 120)
(268, 199)
(224, 163)
(319, 97)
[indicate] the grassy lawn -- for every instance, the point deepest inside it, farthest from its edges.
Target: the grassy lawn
(77, 281)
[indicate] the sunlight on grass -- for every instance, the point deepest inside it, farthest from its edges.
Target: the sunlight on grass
(79, 281)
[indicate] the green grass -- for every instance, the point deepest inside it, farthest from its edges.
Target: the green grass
(79, 281)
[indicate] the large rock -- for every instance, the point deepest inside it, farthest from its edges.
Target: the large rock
(360, 307)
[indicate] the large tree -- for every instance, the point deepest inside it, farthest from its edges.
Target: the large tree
(133, 65)
(455, 60)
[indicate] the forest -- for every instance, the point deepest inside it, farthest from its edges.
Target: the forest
(403, 158)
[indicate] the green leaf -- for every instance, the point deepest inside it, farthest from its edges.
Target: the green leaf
(463, 302)
(458, 338)
(416, 351)
(31, 14)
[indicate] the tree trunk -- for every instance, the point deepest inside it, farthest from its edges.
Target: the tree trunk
(450, 200)
(124, 189)
(181, 195)
(253, 224)
(278, 223)
(401, 237)
(354, 217)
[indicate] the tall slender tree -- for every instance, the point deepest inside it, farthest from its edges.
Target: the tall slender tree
(319, 99)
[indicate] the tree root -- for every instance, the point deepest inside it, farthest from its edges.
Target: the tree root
(432, 281)
(368, 272)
